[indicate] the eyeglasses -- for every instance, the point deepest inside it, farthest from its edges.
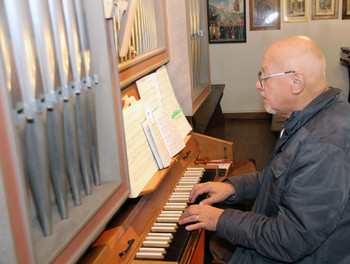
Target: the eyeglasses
(261, 77)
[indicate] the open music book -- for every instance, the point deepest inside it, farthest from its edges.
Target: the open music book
(155, 129)
(163, 114)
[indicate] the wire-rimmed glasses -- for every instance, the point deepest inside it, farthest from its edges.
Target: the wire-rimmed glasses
(261, 77)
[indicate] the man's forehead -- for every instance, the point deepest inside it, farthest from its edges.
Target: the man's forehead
(271, 61)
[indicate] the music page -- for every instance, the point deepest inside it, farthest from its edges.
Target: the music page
(141, 163)
(157, 143)
(149, 91)
(168, 129)
(169, 99)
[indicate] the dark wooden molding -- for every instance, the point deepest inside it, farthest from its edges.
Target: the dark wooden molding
(257, 115)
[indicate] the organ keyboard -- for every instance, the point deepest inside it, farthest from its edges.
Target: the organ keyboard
(145, 230)
(165, 245)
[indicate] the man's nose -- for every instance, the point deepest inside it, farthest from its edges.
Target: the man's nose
(258, 85)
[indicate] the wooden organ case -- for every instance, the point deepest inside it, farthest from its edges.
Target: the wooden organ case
(102, 225)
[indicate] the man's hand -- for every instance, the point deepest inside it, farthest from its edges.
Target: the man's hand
(202, 216)
(218, 191)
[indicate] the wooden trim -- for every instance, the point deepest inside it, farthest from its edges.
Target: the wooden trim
(256, 115)
(201, 98)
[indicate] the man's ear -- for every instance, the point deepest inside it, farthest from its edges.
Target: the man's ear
(299, 82)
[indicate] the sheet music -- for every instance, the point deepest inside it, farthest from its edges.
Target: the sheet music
(157, 143)
(168, 129)
(149, 91)
(169, 99)
(148, 133)
(141, 163)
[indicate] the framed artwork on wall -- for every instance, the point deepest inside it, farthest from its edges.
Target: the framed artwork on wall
(226, 21)
(295, 10)
(346, 9)
(325, 9)
(264, 14)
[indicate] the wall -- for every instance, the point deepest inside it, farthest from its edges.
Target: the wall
(237, 64)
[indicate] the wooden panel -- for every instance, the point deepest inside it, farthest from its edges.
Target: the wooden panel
(214, 148)
(198, 256)
(260, 115)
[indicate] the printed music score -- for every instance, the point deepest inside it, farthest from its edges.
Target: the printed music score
(149, 91)
(157, 143)
(169, 99)
(169, 131)
(141, 163)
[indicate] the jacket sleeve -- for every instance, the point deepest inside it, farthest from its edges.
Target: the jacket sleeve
(309, 209)
(246, 186)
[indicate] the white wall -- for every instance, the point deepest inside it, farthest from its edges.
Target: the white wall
(237, 64)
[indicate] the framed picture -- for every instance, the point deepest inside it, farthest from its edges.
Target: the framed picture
(226, 21)
(325, 9)
(264, 14)
(295, 10)
(346, 9)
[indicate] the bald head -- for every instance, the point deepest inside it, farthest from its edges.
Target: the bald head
(299, 53)
(293, 91)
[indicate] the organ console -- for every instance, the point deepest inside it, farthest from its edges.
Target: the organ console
(128, 236)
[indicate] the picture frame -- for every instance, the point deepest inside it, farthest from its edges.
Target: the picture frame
(346, 9)
(264, 14)
(325, 9)
(226, 21)
(295, 11)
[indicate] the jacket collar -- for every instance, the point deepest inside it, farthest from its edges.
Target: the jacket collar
(300, 118)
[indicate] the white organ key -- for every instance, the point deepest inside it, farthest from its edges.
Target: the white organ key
(149, 255)
(163, 229)
(158, 238)
(195, 169)
(184, 180)
(179, 199)
(168, 219)
(155, 243)
(186, 184)
(170, 212)
(183, 188)
(176, 205)
(180, 194)
(155, 250)
(191, 172)
(185, 196)
(189, 179)
(171, 215)
(169, 235)
(183, 204)
(165, 225)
